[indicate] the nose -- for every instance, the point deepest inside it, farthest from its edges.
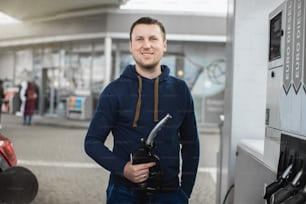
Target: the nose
(146, 43)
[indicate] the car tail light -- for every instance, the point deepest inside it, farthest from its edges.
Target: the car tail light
(7, 151)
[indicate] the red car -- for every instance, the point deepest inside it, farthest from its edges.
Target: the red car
(17, 184)
(7, 154)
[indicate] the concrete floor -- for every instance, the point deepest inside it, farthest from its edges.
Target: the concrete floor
(53, 149)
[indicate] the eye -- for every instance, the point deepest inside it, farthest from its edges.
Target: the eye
(139, 39)
(153, 38)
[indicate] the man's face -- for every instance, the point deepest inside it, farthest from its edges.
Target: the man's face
(147, 46)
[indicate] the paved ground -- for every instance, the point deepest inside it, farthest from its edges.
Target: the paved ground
(53, 149)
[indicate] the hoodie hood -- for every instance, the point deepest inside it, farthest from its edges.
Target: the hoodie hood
(130, 72)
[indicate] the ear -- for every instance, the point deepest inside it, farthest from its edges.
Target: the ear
(165, 45)
(130, 46)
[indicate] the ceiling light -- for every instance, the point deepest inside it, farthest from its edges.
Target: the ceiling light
(218, 7)
(5, 19)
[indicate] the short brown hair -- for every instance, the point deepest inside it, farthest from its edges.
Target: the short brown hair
(148, 21)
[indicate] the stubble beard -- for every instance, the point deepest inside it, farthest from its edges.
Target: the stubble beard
(147, 67)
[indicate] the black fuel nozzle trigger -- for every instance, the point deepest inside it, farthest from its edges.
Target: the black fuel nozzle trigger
(144, 155)
(278, 184)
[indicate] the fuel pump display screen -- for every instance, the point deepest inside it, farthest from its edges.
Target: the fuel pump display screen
(275, 37)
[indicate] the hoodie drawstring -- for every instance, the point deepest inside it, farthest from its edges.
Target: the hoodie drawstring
(137, 112)
(138, 105)
(156, 99)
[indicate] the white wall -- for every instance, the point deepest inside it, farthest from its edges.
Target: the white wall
(6, 64)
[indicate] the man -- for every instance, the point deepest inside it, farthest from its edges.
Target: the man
(130, 107)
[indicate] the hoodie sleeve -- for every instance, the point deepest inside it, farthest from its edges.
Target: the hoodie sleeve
(190, 147)
(100, 126)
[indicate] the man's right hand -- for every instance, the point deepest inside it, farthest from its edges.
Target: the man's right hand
(137, 173)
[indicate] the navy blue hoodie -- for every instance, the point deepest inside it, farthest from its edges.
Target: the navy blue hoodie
(129, 107)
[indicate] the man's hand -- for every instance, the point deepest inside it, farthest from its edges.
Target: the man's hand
(137, 173)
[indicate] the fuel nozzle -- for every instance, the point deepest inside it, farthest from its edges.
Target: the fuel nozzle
(145, 155)
(284, 193)
(278, 184)
(299, 198)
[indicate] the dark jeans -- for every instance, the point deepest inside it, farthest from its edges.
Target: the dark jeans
(121, 195)
(27, 119)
